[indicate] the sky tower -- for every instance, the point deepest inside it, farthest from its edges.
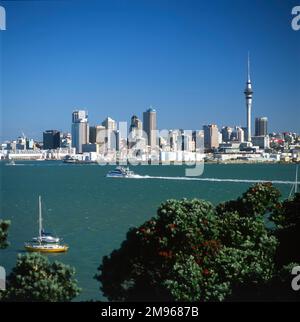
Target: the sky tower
(248, 94)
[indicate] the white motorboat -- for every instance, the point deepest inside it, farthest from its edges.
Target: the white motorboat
(121, 172)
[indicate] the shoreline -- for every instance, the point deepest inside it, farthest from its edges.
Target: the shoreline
(188, 163)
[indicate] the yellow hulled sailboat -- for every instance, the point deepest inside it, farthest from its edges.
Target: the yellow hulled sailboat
(45, 242)
(46, 248)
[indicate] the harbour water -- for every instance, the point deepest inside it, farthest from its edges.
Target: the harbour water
(93, 213)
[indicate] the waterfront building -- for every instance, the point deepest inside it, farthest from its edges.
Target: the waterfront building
(262, 141)
(261, 126)
(80, 129)
(229, 147)
(65, 140)
(51, 139)
(30, 144)
(248, 95)
(211, 136)
(149, 126)
(21, 143)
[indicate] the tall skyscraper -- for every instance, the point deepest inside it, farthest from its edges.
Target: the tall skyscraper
(92, 134)
(51, 139)
(211, 136)
(97, 134)
(240, 134)
(261, 126)
(136, 125)
(111, 133)
(226, 133)
(248, 94)
(110, 124)
(149, 126)
(80, 129)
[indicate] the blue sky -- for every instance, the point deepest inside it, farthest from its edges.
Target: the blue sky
(186, 58)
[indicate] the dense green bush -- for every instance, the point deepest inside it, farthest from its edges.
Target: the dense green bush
(192, 251)
(287, 213)
(34, 278)
(256, 201)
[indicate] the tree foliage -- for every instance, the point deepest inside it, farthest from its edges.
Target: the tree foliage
(4, 225)
(256, 201)
(287, 213)
(192, 251)
(34, 278)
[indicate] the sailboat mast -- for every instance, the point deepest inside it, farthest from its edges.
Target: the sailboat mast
(40, 217)
(296, 182)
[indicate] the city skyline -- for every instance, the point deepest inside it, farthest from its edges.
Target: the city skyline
(127, 124)
(171, 64)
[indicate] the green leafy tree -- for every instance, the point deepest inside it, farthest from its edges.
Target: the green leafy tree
(286, 217)
(256, 201)
(4, 225)
(287, 213)
(149, 254)
(192, 251)
(249, 253)
(34, 278)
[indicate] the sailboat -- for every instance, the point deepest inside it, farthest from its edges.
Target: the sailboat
(45, 242)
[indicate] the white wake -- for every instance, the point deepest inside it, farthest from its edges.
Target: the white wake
(213, 179)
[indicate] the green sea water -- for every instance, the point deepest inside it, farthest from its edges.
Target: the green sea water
(93, 213)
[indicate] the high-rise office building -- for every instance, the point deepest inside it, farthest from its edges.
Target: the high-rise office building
(80, 129)
(136, 126)
(51, 139)
(245, 129)
(240, 135)
(248, 95)
(226, 133)
(92, 134)
(185, 141)
(198, 138)
(135, 132)
(149, 126)
(97, 134)
(111, 134)
(110, 124)
(211, 136)
(261, 126)
(173, 138)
